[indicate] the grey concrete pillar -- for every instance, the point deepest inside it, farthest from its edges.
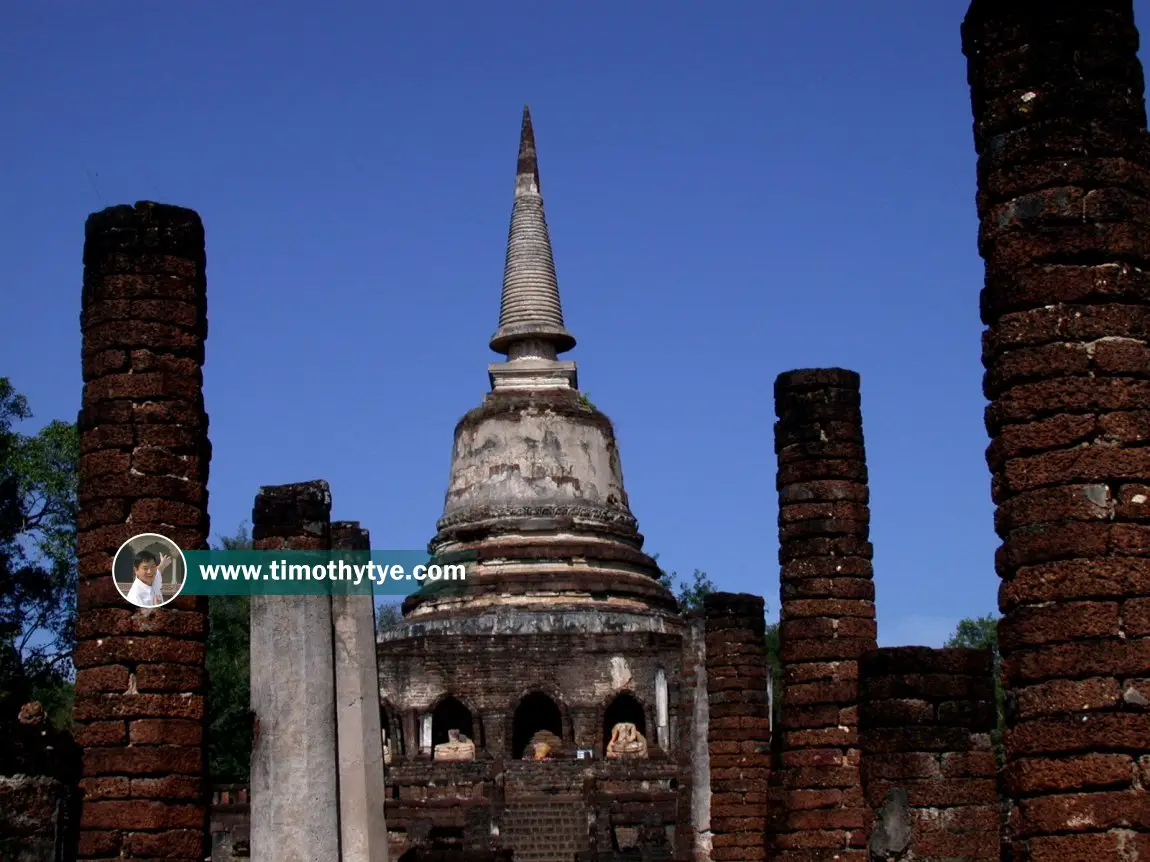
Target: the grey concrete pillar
(361, 786)
(294, 776)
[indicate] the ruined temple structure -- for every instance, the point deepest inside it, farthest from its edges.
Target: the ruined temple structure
(558, 705)
(540, 709)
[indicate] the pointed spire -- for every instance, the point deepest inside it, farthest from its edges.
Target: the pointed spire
(530, 310)
(528, 171)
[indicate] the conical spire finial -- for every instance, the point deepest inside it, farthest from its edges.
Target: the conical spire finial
(528, 161)
(530, 311)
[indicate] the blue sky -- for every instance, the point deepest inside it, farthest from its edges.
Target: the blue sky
(733, 191)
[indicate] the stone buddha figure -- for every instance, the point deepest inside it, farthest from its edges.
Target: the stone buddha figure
(626, 742)
(544, 745)
(386, 747)
(457, 748)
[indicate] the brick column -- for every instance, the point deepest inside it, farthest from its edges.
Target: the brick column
(1064, 203)
(139, 705)
(738, 729)
(827, 612)
(294, 774)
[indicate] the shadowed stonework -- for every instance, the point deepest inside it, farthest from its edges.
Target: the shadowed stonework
(143, 469)
(1064, 203)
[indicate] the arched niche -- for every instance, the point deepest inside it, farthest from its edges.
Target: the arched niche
(392, 732)
(624, 707)
(535, 712)
(451, 714)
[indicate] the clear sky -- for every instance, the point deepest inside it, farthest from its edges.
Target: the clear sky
(734, 190)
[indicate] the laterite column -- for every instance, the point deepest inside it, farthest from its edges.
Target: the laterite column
(827, 621)
(1064, 203)
(139, 705)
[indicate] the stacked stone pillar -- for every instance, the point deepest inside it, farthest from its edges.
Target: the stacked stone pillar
(363, 833)
(738, 726)
(827, 619)
(1064, 203)
(139, 705)
(294, 771)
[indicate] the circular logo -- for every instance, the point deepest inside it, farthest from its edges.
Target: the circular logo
(149, 570)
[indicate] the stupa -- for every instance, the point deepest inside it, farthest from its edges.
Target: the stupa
(562, 630)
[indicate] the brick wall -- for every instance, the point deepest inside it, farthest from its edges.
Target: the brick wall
(491, 673)
(143, 469)
(1064, 203)
(540, 810)
(738, 730)
(928, 769)
(827, 619)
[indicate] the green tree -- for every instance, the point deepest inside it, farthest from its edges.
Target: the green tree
(37, 560)
(388, 615)
(982, 633)
(690, 594)
(776, 669)
(228, 706)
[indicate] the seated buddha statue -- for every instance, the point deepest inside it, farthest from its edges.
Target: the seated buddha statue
(626, 742)
(544, 745)
(457, 748)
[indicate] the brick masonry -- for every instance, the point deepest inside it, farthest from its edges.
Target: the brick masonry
(738, 731)
(1064, 202)
(827, 619)
(928, 769)
(500, 802)
(139, 704)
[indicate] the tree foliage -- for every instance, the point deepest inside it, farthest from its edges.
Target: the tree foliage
(388, 615)
(982, 633)
(776, 669)
(229, 725)
(977, 632)
(38, 476)
(690, 594)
